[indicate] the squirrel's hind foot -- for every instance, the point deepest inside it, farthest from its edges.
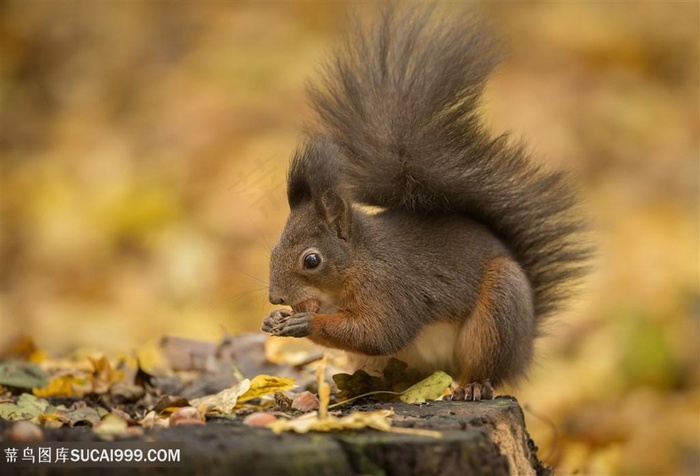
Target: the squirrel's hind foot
(472, 392)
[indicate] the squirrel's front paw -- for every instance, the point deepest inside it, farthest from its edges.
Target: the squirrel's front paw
(285, 323)
(275, 320)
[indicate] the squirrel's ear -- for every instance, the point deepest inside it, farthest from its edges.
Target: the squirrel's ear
(337, 213)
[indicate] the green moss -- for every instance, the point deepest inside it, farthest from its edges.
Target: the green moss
(356, 451)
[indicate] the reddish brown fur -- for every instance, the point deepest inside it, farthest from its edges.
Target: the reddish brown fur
(483, 345)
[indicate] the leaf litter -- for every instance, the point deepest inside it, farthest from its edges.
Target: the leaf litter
(322, 420)
(180, 381)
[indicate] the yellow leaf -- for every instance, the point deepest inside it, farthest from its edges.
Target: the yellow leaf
(378, 420)
(65, 386)
(38, 357)
(222, 402)
(50, 420)
(430, 388)
(104, 375)
(264, 385)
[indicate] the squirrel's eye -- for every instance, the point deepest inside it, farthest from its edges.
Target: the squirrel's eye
(312, 260)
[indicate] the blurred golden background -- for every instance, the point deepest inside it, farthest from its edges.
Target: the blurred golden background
(144, 148)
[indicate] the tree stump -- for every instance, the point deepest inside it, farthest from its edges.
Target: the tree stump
(480, 438)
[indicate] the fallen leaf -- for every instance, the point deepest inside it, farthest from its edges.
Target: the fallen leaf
(104, 375)
(50, 420)
(322, 421)
(430, 388)
(222, 402)
(80, 413)
(262, 385)
(68, 385)
(358, 383)
(27, 407)
(22, 375)
(378, 420)
(396, 377)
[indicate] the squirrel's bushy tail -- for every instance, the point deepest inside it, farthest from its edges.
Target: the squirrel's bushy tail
(401, 100)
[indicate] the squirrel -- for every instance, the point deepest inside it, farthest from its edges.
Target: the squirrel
(414, 233)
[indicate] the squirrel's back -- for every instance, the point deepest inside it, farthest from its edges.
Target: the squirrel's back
(401, 101)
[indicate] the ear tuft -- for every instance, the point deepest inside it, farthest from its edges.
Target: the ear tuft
(314, 168)
(337, 213)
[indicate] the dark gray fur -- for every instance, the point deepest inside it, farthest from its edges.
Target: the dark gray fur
(401, 100)
(399, 129)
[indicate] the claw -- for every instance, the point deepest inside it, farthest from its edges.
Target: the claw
(473, 392)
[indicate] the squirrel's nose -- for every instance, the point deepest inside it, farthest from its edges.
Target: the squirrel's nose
(276, 299)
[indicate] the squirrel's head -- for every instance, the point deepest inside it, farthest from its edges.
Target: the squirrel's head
(309, 263)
